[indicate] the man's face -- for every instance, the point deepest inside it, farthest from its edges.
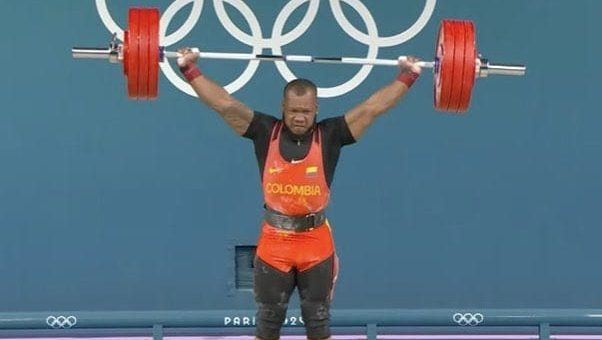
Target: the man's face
(299, 111)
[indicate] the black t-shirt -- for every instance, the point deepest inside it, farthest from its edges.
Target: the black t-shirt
(334, 135)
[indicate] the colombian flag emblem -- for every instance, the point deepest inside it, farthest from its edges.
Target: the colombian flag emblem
(311, 171)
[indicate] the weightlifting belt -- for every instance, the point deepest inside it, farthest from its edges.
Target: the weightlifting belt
(294, 223)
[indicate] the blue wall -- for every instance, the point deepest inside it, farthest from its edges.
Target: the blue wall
(112, 204)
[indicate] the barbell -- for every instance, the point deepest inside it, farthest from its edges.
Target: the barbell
(456, 66)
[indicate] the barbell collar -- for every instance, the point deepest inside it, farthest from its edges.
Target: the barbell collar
(90, 53)
(112, 54)
(486, 68)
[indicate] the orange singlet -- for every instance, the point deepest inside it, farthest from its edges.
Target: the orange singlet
(295, 188)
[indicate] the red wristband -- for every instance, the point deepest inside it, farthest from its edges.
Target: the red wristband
(408, 77)
(190, 72)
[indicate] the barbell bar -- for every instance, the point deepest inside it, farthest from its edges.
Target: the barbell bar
(456, 66)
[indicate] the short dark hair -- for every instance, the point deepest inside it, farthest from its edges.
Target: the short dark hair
(300, 87)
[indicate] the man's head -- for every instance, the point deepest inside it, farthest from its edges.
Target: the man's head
(299, 105)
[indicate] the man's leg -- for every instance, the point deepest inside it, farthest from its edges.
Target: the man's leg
(272, 289)
(315, 289)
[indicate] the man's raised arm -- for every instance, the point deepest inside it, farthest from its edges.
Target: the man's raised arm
(363, 115)
(235, 113)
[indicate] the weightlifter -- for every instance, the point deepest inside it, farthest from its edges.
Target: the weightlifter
(297, 157)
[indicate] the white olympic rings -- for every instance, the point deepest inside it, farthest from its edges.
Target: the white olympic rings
(278, 38)
(468, 319)
(61, 321)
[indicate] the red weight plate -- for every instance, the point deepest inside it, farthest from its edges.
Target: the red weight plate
(445, 60)
(457, 28)
(437, 81)
(133, 52)
(470, 71)
(143, 41)
(124, 51)
(153, 66)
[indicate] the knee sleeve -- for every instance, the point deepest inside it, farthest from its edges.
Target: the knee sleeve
(269, 320)
(316, 316)
(315, 287)
(273, 289)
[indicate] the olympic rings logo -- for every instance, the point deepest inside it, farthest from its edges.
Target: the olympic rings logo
(468, 319)
(61, 321)
(278, 38)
